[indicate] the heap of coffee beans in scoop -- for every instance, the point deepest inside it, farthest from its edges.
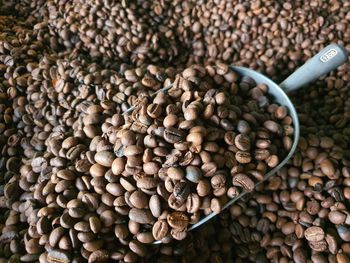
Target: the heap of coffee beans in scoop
(184, 152)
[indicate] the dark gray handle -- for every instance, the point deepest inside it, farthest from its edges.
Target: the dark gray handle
(322, 63)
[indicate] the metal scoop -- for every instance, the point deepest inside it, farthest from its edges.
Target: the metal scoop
(324, 62)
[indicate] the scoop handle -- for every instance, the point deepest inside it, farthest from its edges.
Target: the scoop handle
(322, 63)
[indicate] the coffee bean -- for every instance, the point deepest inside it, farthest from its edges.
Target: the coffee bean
(177, 220)
(58, 255)
(118, 166)
(208, 169)
(337, 217)
(181, 190)
(139, 199)
(327, 168)
(151, 168)
(97, 170)
(172, 135)
(66, 174)
(319, 246)
(195, 138)
(138, 248)
(95, 224)
(146, 183)
(55, 236)
(141, 216)
(175, 203)
(175, 173)
(193, 203)
(243, 127)
(193, 174)
(155, 206)
(242, 142)
(272, 126)
(243, 181)
(132, 150)
(203, 187)
(314, 234)
(160, 229)
(243, 157)
(99, 256)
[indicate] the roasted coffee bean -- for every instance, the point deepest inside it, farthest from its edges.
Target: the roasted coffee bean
(172, 135)
(160, 229)
(314, 234)
(138, 199)
(243, 157)
(177, 220)
(155, 205)
(243, 181)
(193, 174)
(141, 216)
(181, 190)
(99, 256)
(63, 108)
(55, 236)
(242, 142)
(58, 255)
(175, 173)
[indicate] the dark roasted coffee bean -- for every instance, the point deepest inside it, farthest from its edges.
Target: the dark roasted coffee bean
(181, 190)
(173, 135)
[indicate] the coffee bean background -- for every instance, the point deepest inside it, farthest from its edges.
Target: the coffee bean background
(68, 69)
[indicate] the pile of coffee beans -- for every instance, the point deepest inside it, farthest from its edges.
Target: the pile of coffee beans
(68, 71)
(193, 147)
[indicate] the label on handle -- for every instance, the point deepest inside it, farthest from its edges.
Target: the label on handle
(329, 55)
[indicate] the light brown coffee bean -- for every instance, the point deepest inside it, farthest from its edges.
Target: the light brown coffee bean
(273, 126)
(178, 234)
(66, 174)
(55, 236)
(155, 205)
(178, 220)
(95, 224)
(327, 168)
(195, 138)
(151, 168)
(337, 217)
(132, 150)
(146, 183)
(141, 216)
(118, 166)
(176, 203)
(97, 170)
(139, 199)
(160, 229)
(175, 173)
(99, 256)
(242, 180)
(314, 234)
(128, 138)
(203, 187)
(58, 255)
(193, 203)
